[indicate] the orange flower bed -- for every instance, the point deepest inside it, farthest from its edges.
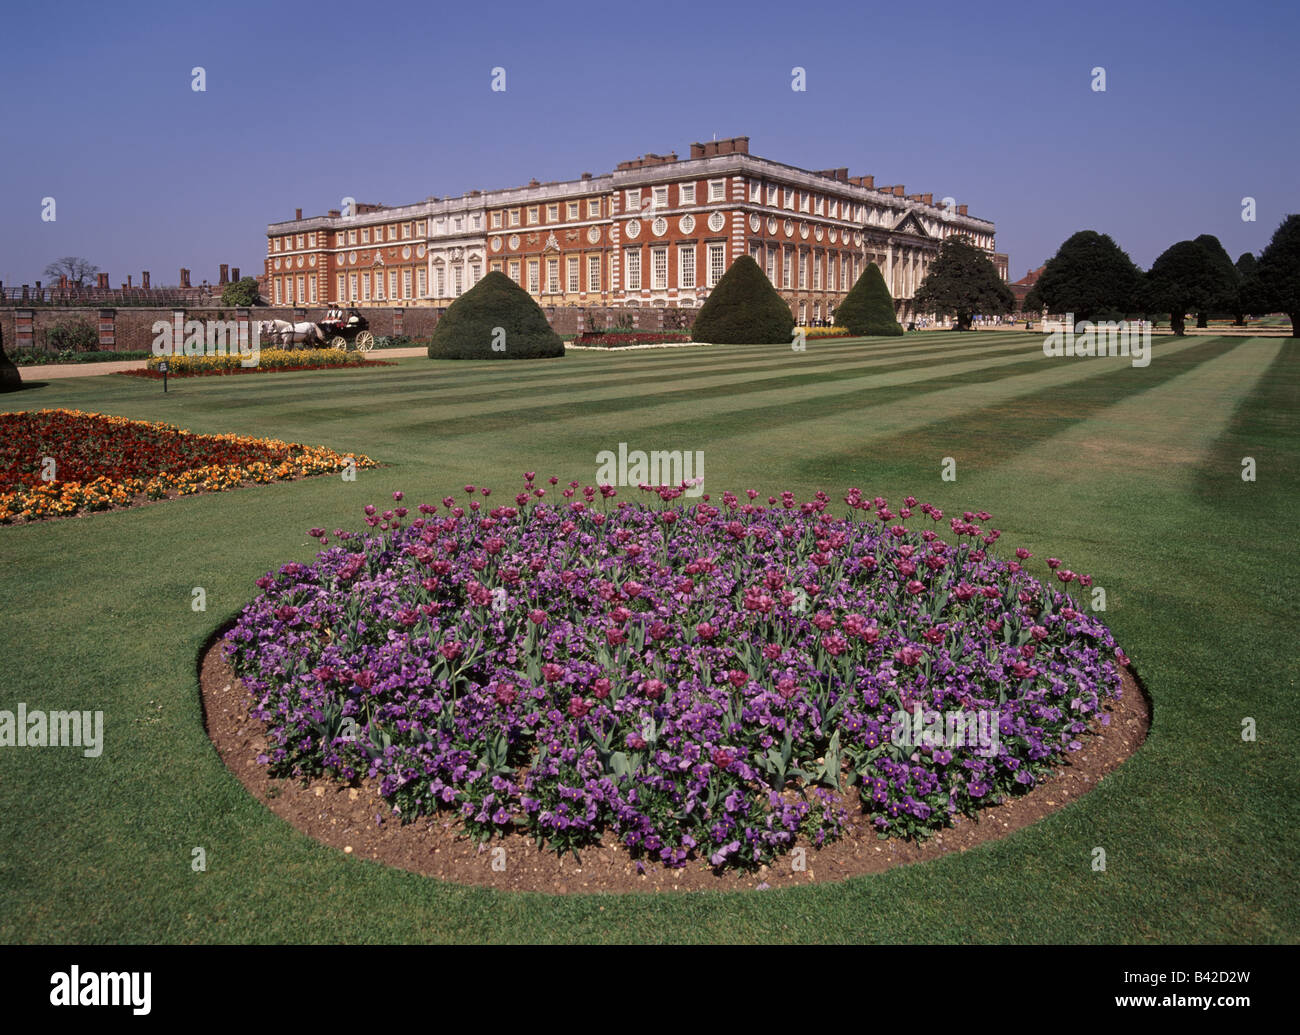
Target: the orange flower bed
(54, 463)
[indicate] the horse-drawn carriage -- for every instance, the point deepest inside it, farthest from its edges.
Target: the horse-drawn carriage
(339, 330)
(347, 330)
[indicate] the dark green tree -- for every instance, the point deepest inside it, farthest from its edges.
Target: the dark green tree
(10, 379)
(1184, 278)
(868, 309)
(1090, 276)
(1227, 274)
(242, 292)
(962, 282)
(744, 309)
(495, 319)
(1278, 275)
(1247, 288)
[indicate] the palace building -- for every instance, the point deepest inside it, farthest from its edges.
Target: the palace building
(657, 231)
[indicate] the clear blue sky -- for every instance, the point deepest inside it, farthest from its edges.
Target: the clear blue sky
(390, 102)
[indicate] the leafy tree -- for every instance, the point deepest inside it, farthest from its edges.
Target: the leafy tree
(1227, 273)
(744, 309)
(1090, 276)
(495, 319)
(868, 309)
(1247, 288)
(1278, 275)
(242, 292)
(962, 281)
(1183, 278)
(77, 270)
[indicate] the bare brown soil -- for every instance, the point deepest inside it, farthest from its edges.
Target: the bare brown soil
(356, 821)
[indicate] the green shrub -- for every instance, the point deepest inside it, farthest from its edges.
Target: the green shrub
(495, 319)
(744, 309)
(73, 336)
(10, 379)
(868, 309)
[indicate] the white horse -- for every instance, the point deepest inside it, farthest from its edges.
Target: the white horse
(282, 332)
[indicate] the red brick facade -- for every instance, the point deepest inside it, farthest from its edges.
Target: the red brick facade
(656, 232)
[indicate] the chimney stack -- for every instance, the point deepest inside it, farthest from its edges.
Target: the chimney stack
(144, 279)
(185, 277)
(335, 213)
(697, 150)
(223, 275)
(297, 213)
(928, 198)
(234, 274)
(898, 191)
(101, 281)
(63, 282)
(961, 210)
(128, 280)
(742, 146)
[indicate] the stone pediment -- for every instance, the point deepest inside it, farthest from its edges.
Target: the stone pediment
(910, 223)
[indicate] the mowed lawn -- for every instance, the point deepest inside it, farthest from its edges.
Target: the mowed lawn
(1131, 474)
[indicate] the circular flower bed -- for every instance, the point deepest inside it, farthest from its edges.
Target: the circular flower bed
(706, 682)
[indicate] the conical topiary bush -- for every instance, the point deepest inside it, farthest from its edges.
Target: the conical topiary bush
(495, 319)
(744, 309)
(10, 379)
(868, 309)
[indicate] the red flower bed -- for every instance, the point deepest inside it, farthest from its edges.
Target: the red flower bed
(631, 338)
(59, 462)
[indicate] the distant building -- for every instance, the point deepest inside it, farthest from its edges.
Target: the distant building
(657, 231)
(1020, 288)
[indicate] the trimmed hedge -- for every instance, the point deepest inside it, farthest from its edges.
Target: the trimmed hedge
(10, 379)
(494, 312)
(744, 309)
(868, 309)
(40, 357)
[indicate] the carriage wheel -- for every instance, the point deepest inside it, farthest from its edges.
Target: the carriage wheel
(339, 344)
(365, 341)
